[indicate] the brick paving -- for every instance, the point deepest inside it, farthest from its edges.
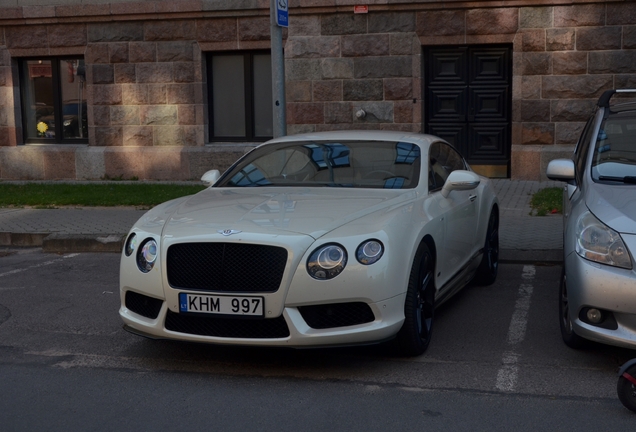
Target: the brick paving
(87, 220)
(518, 230)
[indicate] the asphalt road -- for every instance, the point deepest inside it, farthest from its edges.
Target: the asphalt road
(496, 362)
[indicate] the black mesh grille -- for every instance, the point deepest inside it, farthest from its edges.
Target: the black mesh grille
(143, 305)
(226, 267)
(336, 315)
(227, 327)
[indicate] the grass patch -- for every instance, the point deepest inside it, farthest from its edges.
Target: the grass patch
(46, 195)
(547, 201)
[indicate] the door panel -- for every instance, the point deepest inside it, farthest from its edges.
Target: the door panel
(448, 67)
(489, 66)
(468, 101)
(487, 139)
(448, 105)
(489, 104)
(458, 216)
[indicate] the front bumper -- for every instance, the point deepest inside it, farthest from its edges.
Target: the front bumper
(609, 289)
(388, 318)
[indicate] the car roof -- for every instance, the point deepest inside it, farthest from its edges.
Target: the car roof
(622, 107)
(604, 99)
(357, 135)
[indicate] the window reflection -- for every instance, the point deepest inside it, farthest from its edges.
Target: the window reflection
(74, 124)
(406, 153)
(54, 99)
(443, 160)
(357, 164)
(249, 176)
(325, 155)
(38, 92)
(614, 150)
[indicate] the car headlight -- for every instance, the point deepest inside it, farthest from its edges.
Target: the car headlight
(599, 243)
(327, 262)
(147, 255)
(131, 243)
(369, 252)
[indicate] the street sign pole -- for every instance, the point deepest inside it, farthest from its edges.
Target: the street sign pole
(278, 16)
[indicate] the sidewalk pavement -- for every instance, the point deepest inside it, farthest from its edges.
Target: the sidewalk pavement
(522, 237)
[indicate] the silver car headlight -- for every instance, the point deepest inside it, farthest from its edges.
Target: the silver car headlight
(147, 255)
(369, 252)
(327, 262)
(597, 242)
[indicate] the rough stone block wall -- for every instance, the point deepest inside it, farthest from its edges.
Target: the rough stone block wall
(9, 135)
(145, 89)
(339, 64)
(565, 57)
(147, 83)
(146, 92)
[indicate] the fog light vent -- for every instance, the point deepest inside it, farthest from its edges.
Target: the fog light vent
(598, 318)
(594, 315)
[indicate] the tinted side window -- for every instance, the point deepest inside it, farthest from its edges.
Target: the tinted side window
(443, 160)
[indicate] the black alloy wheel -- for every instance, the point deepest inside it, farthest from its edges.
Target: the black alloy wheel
(486, 273)
(419, 306)
(570, 338)
(626, 389)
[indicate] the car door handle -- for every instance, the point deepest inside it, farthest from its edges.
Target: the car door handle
(472, 198)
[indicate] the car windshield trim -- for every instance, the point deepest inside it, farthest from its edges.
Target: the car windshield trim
(614, 156)
(626, 179)
(364, 164)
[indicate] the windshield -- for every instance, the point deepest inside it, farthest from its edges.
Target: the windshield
(615, 149)
(355, 164)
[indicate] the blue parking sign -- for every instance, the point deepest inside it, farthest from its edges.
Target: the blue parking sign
(282, 14)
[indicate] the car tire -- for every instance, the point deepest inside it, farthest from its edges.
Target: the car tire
(627, 390)
(486, 273)
(419, 307)
(570, 338)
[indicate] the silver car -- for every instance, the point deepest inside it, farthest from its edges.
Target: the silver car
(597, 299)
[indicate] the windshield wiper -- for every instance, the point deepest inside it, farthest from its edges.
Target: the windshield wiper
(626, 179)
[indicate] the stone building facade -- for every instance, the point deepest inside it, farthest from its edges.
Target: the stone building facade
(147, 71)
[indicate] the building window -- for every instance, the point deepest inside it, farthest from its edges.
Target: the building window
(53, 100)
(240, 96)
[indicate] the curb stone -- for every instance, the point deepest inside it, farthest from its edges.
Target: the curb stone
(67, 243)
(22, 239)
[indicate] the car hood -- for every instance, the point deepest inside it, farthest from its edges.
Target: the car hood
(614, 205)
(309, 211)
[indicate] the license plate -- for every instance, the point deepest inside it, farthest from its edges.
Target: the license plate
(221, 305)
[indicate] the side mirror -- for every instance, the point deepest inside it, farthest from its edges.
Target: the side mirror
(560, 170)
(460, 180)
(211, 177)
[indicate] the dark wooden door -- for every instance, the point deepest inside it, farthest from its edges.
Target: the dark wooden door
(467, 93)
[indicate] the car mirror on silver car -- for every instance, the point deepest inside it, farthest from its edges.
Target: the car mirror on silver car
(460, 180)
(210, 177)
(560, 170)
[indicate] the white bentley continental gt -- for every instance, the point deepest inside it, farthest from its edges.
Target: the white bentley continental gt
(325, 239)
